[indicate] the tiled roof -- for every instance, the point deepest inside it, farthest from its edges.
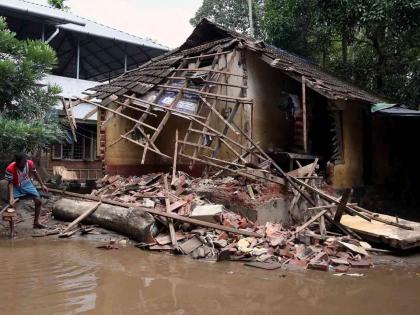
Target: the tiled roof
(207, 35)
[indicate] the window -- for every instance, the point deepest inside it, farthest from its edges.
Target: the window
(82, 150)
(337, 136)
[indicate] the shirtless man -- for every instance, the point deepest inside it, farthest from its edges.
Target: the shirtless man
(19, 174)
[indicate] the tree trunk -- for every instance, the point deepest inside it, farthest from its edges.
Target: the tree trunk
(135, 224)
(344, 49)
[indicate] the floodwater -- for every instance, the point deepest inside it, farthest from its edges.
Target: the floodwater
(69, 277)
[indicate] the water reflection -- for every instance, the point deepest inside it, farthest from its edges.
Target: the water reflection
(65, 277)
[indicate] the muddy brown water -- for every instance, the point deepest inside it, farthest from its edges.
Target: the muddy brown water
(68, 277)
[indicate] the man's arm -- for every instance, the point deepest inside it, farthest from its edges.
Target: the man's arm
(11, 197)
(39, 179)
(9, 177)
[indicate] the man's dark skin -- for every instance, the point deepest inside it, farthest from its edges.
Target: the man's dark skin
(37, 201)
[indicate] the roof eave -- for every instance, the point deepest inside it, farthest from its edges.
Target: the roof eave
(53, 18)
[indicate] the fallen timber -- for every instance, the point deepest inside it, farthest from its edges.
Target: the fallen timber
(135, 224)
(159, 213)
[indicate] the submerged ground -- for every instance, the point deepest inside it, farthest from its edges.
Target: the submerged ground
(72, 277)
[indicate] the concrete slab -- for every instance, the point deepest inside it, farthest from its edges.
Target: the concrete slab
(207, 213)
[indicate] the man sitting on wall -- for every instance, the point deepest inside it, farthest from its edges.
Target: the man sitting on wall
(19, 174)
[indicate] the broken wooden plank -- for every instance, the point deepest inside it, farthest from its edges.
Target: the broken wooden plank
(310, 170)
(332, 206)
(342, 205)
(122, 115)
(175, 158)
(143, 145)
(136, 109)
(329, 198)
(168, 210)
(309, 222)
(250, 191)
(216, 112)
(81, 217)
(196, 145)
(379, 232)
(376, 217)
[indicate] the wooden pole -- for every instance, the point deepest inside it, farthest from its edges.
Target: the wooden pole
(168, 206)
(330, 198)
(307, 223)
(305, 131)
(81, 217)
(175, 157)
(342, 205)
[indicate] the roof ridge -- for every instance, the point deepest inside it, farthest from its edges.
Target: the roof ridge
(98, 23)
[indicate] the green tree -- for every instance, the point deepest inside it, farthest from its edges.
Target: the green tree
(379, 44)
(373, 43)
(59, 4)
(26, 120)
(293, 25)
(233, 14)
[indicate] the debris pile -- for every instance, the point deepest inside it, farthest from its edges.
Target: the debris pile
(271, 246)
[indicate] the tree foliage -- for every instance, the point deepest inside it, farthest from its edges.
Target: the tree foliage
(59, 4)
(232, 14)
(26, 122)
(374, 43)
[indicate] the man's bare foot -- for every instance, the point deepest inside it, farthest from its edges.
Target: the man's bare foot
(40, 226)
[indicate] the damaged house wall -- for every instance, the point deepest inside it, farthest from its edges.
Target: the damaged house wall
(350, 172)
(267, 86)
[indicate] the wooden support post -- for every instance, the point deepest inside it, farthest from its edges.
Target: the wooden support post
(175, 158)
(226, 128)
(214, 110)
(342, 205)
(305, 131)
(168, 206)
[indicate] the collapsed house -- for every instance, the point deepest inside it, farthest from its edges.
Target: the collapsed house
(226, 103)
(219, 90)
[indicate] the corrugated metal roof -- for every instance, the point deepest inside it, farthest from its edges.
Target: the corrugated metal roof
(399, 112)
(52, 15)
(70, 87)
(80, 24)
